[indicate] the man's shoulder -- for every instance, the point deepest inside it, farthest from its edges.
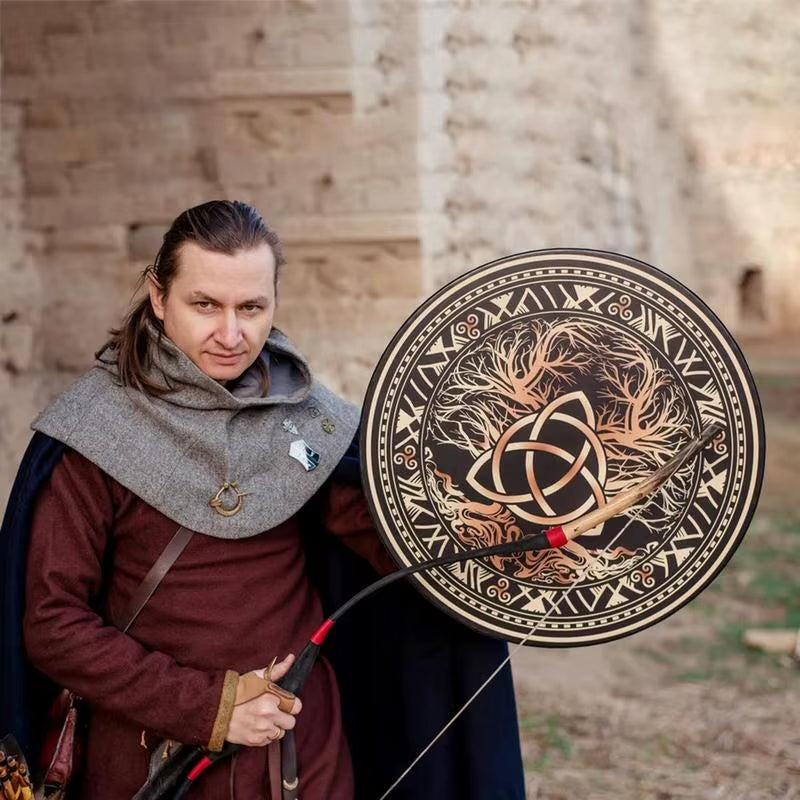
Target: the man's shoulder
(76, 403)
(328, 400)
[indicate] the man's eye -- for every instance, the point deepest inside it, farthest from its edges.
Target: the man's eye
(251, 308)
(203, 305)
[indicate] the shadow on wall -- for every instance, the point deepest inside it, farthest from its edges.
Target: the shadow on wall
(719, 79)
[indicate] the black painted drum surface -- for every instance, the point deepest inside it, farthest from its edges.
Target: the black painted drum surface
(534, 389)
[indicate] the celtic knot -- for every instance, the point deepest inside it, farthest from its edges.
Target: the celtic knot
(512, 480)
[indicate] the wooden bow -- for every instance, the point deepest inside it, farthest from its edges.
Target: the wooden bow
(180, 772)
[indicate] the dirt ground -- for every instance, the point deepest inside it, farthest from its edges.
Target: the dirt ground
(684, 709)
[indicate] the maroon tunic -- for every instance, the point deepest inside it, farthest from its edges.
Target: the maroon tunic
(224, 605)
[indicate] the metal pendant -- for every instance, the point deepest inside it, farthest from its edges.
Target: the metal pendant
(301, 452)
(218, 504)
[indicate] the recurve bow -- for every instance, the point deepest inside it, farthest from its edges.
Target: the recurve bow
(189, 763)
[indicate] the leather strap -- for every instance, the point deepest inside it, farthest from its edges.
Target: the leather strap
(156, 574)
(274, 768)
(290, 782)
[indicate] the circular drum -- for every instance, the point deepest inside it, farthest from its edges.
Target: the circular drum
(535, 389)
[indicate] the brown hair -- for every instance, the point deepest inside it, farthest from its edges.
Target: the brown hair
(221, 226)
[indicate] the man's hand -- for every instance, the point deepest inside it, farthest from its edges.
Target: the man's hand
(261, 715)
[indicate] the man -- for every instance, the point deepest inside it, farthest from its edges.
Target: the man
(198, 414)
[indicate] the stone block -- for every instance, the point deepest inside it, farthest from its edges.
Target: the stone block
(89, 238)
(21, 55)
(198, 29)
(434, 22)
(302, 168)
(182, 62)
(48, 114)
(356, 228)
(344, 340)
(323, 272)
(140, 167)
(384, 125)
(278, 83)
(122, 17)
(47, 146)
(334, 196)
(144, 240)
(371, 322)
(385, 194)
(271, 202)
(327, 48)
(11, 179)
(284, 125)
(83, 297)
(392, 159)
(47, 211)
(246, 168)
(17, 346)
(164, 200)
(93, 176)
(68, 52)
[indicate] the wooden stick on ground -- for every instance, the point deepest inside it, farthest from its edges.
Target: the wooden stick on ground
(774, 640)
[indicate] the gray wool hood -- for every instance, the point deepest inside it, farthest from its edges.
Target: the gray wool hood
(262, 457)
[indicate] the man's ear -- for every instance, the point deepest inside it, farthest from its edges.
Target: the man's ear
(156, 296)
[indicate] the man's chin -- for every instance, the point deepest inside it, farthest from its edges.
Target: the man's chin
(224, 372)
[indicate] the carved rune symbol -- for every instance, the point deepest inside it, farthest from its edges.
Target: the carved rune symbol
(568, 419)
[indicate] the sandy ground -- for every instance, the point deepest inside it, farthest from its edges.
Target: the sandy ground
(683, 709)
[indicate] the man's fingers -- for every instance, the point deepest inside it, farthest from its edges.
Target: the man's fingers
(270, 705)
(285, 722)
(281, 667)
(286, 701)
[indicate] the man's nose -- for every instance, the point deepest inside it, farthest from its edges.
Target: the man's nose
(229, 333)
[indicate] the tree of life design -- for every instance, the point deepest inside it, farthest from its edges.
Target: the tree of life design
(542, 419)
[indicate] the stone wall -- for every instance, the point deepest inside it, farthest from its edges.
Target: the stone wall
(732, 72)
(128, 112)
(393, 145)
(20, 303)
(660, 129)
(21, 318)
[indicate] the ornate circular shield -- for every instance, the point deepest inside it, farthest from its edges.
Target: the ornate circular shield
(537, 388)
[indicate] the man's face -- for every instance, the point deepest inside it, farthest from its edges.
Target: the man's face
(219, 308)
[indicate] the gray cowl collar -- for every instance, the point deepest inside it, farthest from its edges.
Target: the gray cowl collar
(177, 450)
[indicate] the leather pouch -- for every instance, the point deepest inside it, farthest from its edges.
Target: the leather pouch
(63, 747)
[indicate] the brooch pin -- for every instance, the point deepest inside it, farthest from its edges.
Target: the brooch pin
(328, 426)
(289, 427)
(218, 504)
(313, 411)
(301, 452)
